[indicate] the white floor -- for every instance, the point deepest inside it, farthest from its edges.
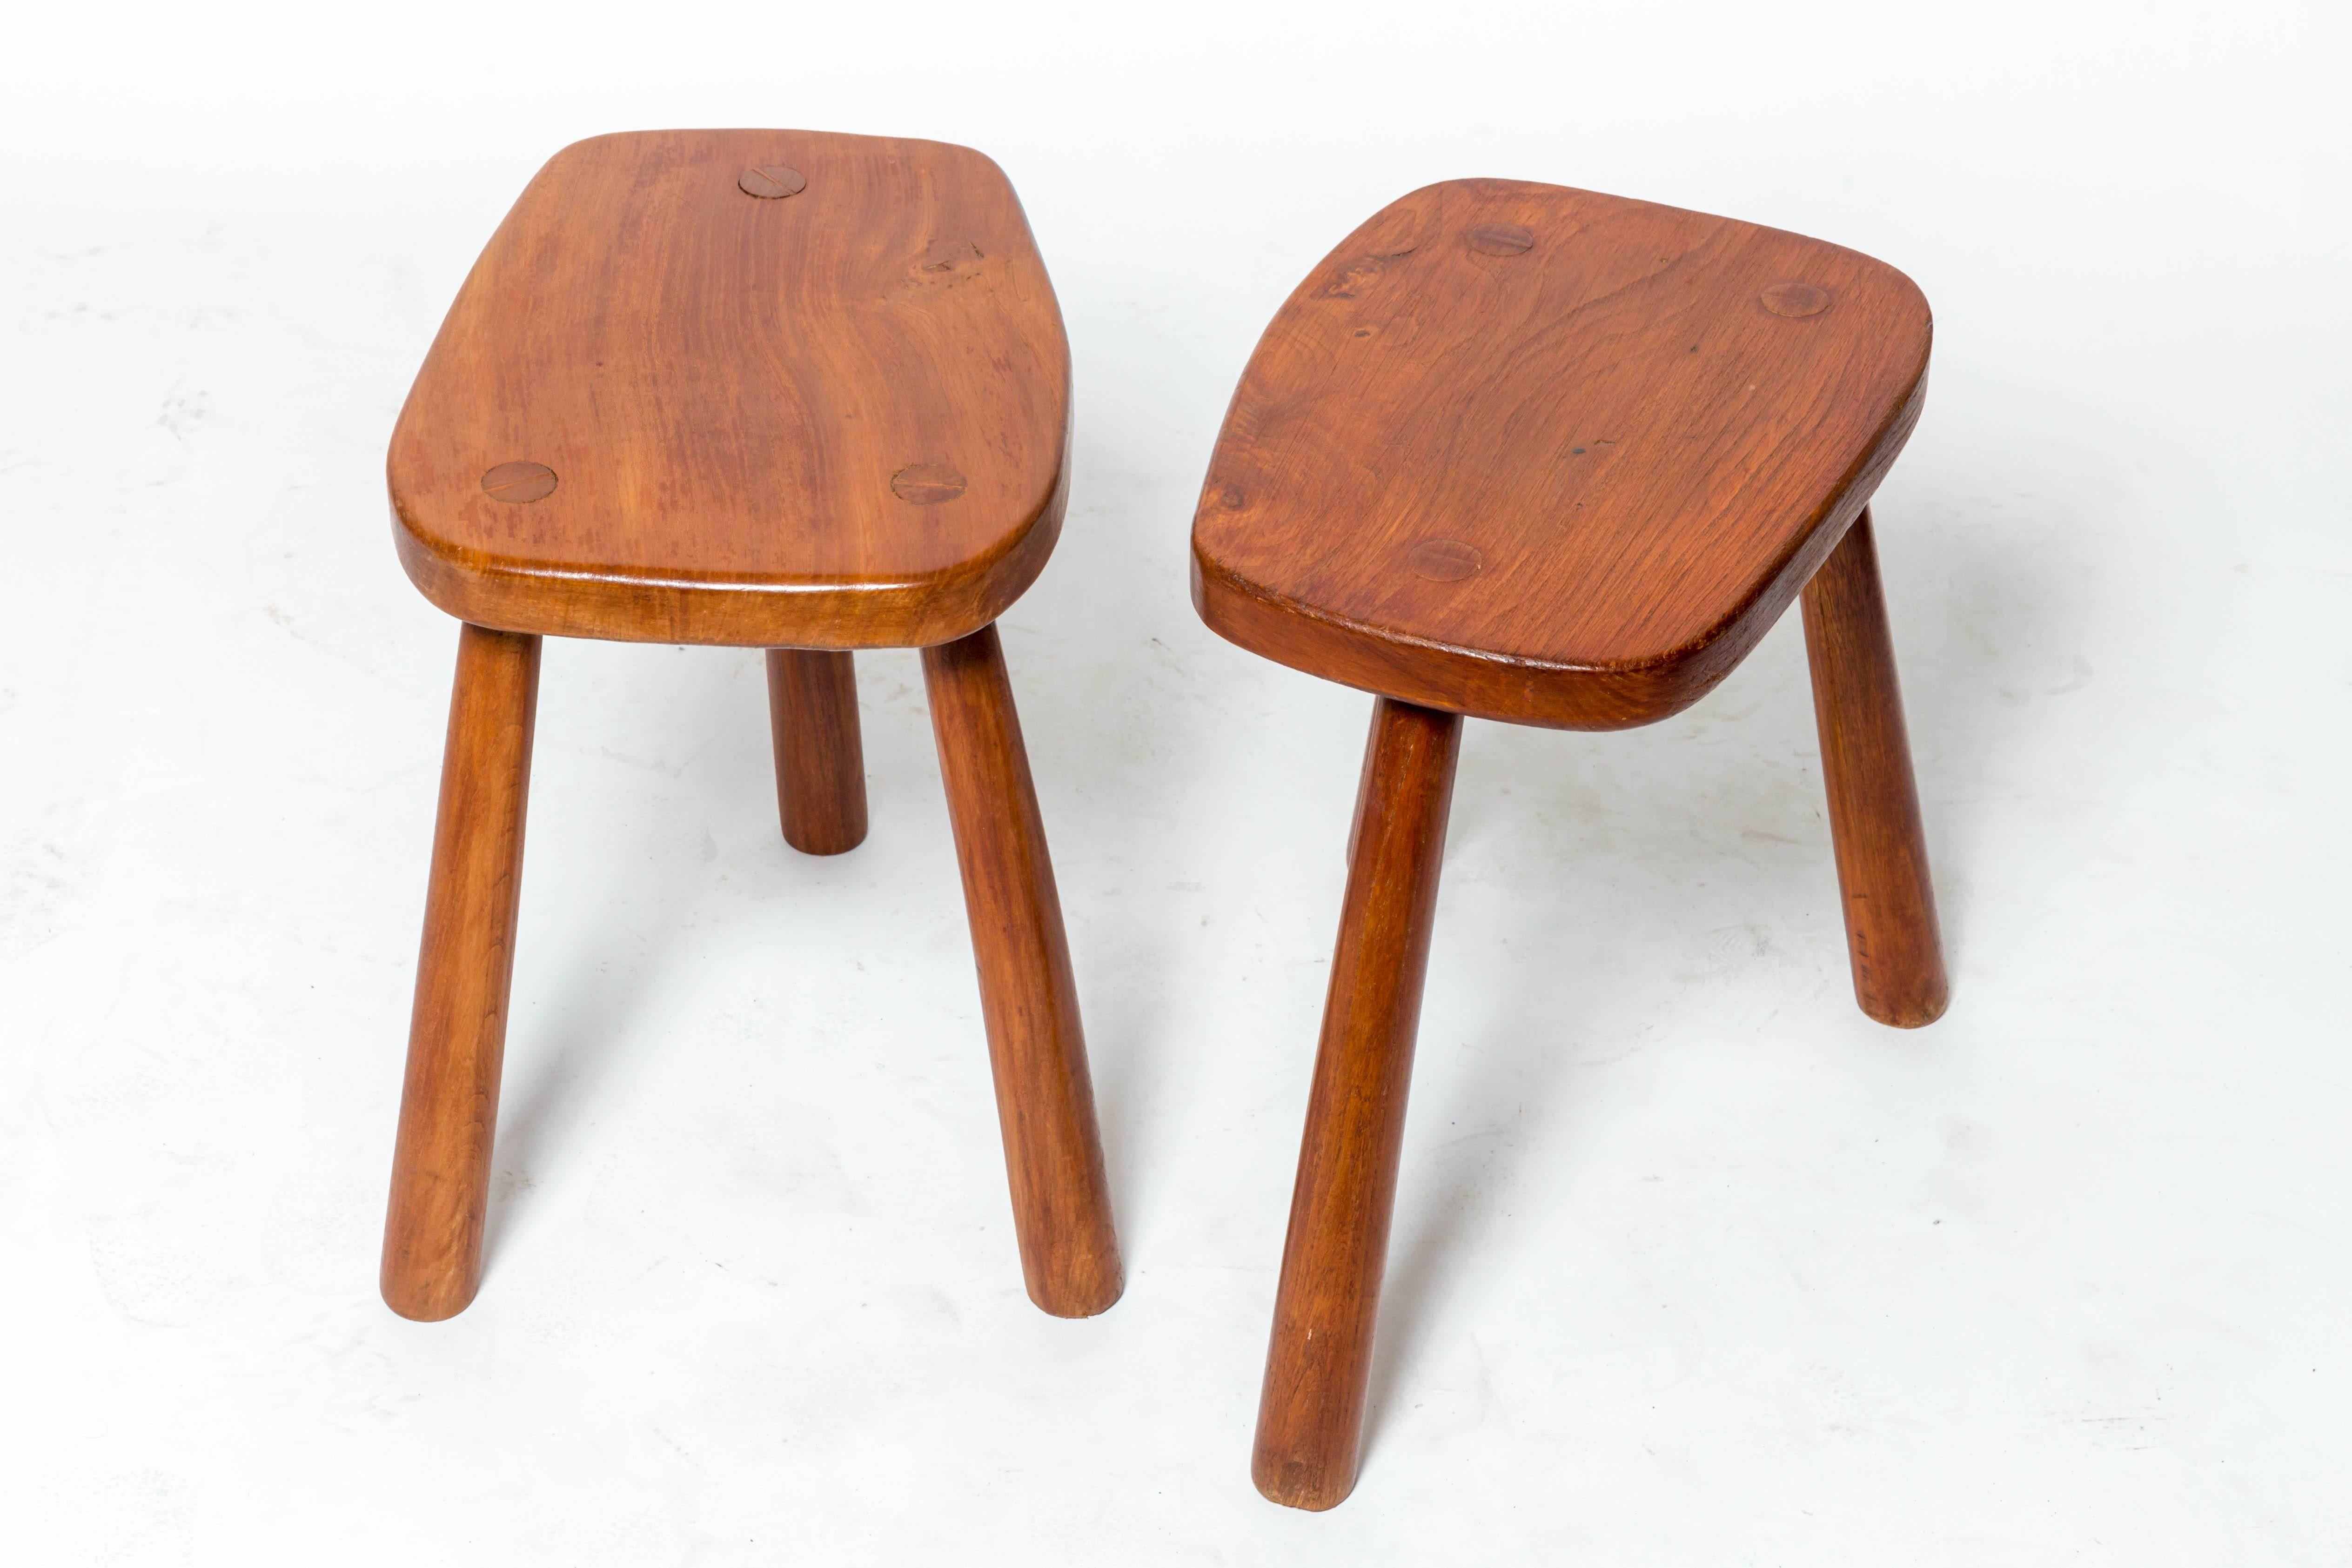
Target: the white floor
(1692, 1264)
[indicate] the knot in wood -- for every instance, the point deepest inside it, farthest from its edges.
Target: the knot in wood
(1499, 240)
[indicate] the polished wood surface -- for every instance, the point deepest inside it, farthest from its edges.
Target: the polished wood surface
(678, 402)
(1037, 1053)
(770, 388)
(457, 1040)
(1311, 1411)
(820, 750)
(1533, 454)
(1547, 455)
(1882, 848)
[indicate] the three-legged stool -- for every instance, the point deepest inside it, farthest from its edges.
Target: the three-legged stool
(762, 389)
(1536, 455)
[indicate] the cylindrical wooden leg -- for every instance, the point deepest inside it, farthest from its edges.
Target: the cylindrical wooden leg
(1045, 1100)
(1311, 1412)
(456, 1037)
(820, 758)
(1363, 785)
(1882, 852)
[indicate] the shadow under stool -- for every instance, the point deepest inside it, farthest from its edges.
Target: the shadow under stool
(761, 389)
(1525, 453)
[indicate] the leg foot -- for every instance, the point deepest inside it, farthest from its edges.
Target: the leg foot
(1311, 1411)
(449, 1108)
(820, 757)
(1882, 851)
(1045, 1100)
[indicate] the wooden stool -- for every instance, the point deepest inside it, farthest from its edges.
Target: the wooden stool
(1546, 457)
(759, 389)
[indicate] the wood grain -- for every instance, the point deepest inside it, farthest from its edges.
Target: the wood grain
(820, 750)
(768, 388)
(1547, 455)
(457, 1039)
(728, 391)
(1037, 1052)
(1882, 847)
(1311, 1410)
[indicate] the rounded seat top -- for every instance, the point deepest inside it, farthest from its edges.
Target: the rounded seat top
(756, 387)
(1547, 455)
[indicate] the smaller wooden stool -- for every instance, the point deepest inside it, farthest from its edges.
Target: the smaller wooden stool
(759, 389)
(1552, 457)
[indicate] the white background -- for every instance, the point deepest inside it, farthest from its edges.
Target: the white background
(1692, 1264)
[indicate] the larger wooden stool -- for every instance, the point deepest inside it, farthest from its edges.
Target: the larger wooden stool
(761, 389)
(1537, 455)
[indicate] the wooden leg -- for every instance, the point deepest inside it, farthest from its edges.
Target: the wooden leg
(1045, 1100)
(1363, 785)
(1882, 852)
(457, 1035)
(1311, 1412)
(820, 758)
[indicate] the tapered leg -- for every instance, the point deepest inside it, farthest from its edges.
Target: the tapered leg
(820, 758)
(1882, 853)
(1045, 1100)
(457, 1035)
(1310, 1414)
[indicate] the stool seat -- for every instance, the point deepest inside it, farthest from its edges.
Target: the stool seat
(764, 388)
(1536, 454)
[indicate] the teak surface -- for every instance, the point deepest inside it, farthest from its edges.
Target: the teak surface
(1546, 456)
(1882, 848)
(820, 749)
(457, 1031)
(1028, 995)
(828, 416)
(1310, 1416)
